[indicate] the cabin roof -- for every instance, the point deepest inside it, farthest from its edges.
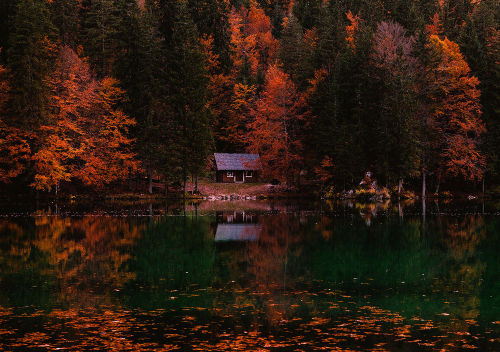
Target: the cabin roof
(234, 161)
(237, 232)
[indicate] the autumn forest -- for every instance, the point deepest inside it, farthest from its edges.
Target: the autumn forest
(96, 93)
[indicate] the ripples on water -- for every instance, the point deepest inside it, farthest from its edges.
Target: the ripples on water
(250, 276)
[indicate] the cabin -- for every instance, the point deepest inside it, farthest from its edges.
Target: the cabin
(237, 168)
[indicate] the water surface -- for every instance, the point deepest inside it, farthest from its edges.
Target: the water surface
(250, 276)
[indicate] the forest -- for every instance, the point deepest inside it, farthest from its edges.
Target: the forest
(96, 93)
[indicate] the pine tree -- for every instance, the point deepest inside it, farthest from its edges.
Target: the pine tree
(66, 17)
(398, 120)
(7, 11)
(187, 95)
(480, 42)
(99, 30)
(30, 58)
(14, 147)
(139, 67)
(296, 51)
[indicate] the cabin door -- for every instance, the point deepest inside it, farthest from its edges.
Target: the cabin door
(238, 177)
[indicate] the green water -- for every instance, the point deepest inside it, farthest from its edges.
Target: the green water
(250, 276)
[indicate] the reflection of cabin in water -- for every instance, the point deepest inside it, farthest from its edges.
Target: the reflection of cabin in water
(236, 217)
(237, 226)
(237, 168)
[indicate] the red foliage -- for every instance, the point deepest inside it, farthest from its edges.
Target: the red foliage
(435, 27)
(273, 133)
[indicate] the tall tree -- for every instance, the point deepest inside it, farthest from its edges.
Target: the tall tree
(398, 122)
(140, 67)
(86, 136)
(456, 113)
(480, 43)
(66, 17)
(187, 95)
(14, 148)
(296, 51)
(278, 116)
(30, 59)
(99, 29)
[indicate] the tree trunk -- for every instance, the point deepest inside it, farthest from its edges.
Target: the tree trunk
(184, 187)
(400, 186)
(423, 185)
(483, 187)
(196, 184)
(150, 180)
(166, 188)
(437, 186)
(423, 210)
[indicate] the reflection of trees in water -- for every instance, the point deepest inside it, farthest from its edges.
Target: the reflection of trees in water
(393, 270)
(370, 210)
(462, 277)
(267, 261)
(174, 253)
(87, 256)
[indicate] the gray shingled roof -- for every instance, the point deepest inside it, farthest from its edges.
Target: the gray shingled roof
(238, 232)
(233, 161)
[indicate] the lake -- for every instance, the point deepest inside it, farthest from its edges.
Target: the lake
(250, 276)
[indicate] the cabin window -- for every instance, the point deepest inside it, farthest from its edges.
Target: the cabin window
(229, 174)
(249, 173)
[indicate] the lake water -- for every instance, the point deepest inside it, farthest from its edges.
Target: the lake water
(250, 276)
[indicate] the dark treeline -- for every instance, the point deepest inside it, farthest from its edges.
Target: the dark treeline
(96, 92)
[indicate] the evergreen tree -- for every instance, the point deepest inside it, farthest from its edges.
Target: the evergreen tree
(30, 57)
(187, 95)
(480, 42)
(66, 17)
(296, 52)
(99, 31)
(7, 10)
(397, 122)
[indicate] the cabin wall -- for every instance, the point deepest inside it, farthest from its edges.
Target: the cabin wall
(237, 174)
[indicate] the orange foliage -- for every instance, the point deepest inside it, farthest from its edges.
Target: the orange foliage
(107, 154)
(457, 112)
(85, 137)
(251, 38)
(436, 27)
(311, 38)
(325, 170)
(352, 29)
(319, 76)
(277, 115)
